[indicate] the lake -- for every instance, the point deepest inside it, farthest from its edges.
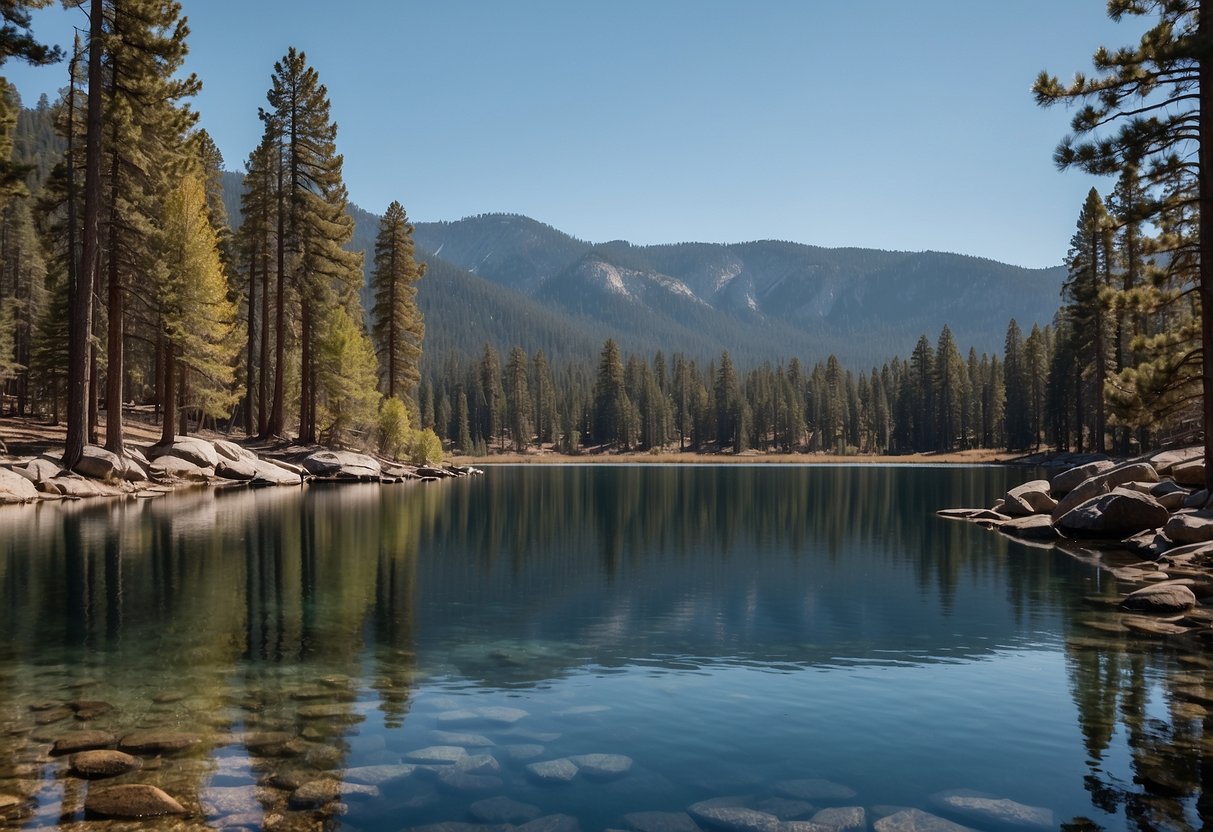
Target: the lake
(613, 644)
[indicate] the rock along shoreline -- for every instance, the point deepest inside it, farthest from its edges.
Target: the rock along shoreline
(1151, 508)
(191, 462)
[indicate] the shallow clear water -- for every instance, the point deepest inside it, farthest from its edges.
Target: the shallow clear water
(725, 629)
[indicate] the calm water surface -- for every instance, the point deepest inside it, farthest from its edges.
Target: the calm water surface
(724, 629)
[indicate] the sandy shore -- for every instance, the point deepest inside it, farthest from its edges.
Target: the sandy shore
(981, 456)
(26, 437)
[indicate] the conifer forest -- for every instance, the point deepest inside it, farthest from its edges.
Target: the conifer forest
(130, 288)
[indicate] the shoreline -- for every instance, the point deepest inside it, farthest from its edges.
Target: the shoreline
(980, 456)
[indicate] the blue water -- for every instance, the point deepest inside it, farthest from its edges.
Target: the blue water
(724, 628)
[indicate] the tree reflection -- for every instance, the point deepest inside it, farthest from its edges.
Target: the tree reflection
(1156, 700)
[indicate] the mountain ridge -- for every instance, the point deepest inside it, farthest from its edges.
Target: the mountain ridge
(508, 279)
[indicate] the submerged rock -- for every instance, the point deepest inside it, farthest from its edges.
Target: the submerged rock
(315, 793)
(456, 738)
(990, 811)
(440, 754)
(814, 789)
(602, 766)
(97, 764)
(785, 808)
(553, 771)
(465, 716)
(551, 823)
(916, 820)
(461, 781)
(478, 764)
(377, 775)
(732, 818)
(660, 822)
(77, 741)
(502, 809)
(157, 742)
(231, 800)
(842, 819)
(131, 801)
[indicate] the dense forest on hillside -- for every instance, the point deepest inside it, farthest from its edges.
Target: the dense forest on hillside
(135, 269)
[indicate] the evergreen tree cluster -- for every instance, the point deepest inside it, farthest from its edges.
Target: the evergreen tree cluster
(1128, 365)
(933, 401)
(123, 282)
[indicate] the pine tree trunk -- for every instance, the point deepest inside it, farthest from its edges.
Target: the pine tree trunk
(114, 368)
(168, 424)
(263, 378)
(81, 290)
(391, 328)
(183, 413)
(1205, 204)
(252, 339)
(93, 416)
(307, 393)
(278, 416)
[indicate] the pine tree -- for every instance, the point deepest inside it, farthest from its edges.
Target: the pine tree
(463, 435)
(1017, 385)
(17, 41)
(22, 291)
(951, 391)
(1036, 366)
(255, 243)
(313, 229)
(1084, 292)
(1154, 94)
(397, 323)
(145, 152)
(611, 403)
(544, 386)
(83, 279)
(518, 399)
(346, 375)
(198, 317)
(492, 422)
(920, 383)
(728, 403)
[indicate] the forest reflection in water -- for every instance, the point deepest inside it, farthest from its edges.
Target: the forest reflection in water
(314, 620)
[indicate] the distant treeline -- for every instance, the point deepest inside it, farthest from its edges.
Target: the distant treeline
(935, 399)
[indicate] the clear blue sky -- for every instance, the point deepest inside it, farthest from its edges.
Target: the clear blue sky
(875, 123)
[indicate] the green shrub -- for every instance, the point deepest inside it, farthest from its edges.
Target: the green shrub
(394, 431)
